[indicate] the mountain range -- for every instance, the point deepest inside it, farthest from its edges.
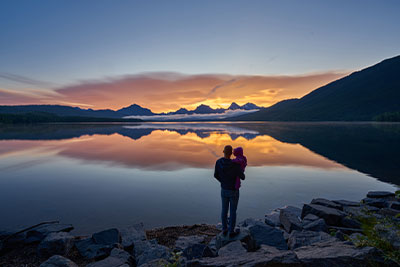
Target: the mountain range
(132, 110)
(360, 96)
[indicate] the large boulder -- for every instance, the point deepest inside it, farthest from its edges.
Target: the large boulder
(37, 234)
(58, 261)
(272, 219)
(243, 236)
(317, 226)
(232, 248)
(192, 247)
(326, 203)
(347, 203)
(88, 249)
(330, 215)
(305, 238)
(290, 220)
(147, 251)
(337, 253)
(107, 237)
(350, 222)
(380, 194)
(130, 234)
(263, 234)
(376, 202)
(55, 244)
(117, 258)
(265, 256)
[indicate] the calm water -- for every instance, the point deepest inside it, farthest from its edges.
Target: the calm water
(99, 176)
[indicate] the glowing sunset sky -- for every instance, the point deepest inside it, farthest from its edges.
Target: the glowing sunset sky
(170, 54)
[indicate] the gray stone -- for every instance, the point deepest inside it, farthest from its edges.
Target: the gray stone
(209, 252)
(347, 203)
(56, 243)
(339, 235)
(359, 211)
(272, 219)
(326, 203)
(289, 220)
(380, 194)
(317, 226)
(185, 241)
(347, 231)
(330, 215)
(107, 237)
(389, 233)
(376, 202)
(305, 238)
(117, 258)
(243, 236)
(311, 217)
(157, 263)
(350, 223)
(395, 205)
(150, 250)
(39, 233)
(232, 248)
(265, 256)
(88, 249)
(292, 209)
(250, 221)
(388, 212)
(142, 246)
(336, 253)
(131, 234)
(58, 261)
(264, 234)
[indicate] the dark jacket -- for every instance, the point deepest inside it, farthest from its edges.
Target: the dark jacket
(226, 172)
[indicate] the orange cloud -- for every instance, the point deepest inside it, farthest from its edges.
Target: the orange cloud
(163, 92)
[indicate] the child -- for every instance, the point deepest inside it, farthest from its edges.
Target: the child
(241, 160)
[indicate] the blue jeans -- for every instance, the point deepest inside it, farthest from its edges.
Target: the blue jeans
(230, 199)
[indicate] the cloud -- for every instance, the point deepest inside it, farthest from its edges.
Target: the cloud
(25, 80)
(168, 91)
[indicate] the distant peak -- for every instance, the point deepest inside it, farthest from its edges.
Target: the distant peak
(234, 106)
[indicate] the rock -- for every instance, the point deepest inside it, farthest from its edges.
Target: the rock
(232, 248)
(292, 209)
(355, 238)
(147, 251)
(117, 258)
(360, 211)
(265, 256)
(350, 223)
(157, 263)
(347, 231)
(88, 249)
(191, 246)
(388, 212)
(250, 221)
(264, 234)
(58, 261)
(316, 226)
(395, 205)
(209, 252)
(39, 233)
(272, 219)
(107, 237)
(380, 194)
(339, 235)
(376, 202)
(326, 203)
(185, 241)
(347, 203)
(330, 215)
(243, 236)
(131, 234)
(306, 238)
(336, 253)
(289, 220)
(56, 243)
(310, 218)
(389, 233)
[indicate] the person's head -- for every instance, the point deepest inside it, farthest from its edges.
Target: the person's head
(238, 152)
(228, 151)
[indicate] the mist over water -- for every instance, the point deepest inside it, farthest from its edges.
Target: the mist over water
(99, 176)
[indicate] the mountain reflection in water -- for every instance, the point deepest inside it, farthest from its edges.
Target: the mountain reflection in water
(370, 148)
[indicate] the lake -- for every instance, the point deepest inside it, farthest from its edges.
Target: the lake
(111, 175)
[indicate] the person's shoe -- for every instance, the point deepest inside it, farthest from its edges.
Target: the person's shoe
(233, 234)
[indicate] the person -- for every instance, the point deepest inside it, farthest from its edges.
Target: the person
(241, 160)
(226, 172)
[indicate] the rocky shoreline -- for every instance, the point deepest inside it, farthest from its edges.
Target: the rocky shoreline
(321, 233)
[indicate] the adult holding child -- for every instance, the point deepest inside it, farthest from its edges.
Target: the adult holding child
(226, 172)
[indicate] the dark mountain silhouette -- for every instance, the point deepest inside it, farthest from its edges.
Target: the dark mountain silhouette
(134, 110)
(250, 106)
(234, 106)
(358, 97)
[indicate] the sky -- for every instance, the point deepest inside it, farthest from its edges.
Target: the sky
(170, 54)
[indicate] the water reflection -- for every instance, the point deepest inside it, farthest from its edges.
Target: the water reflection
(368, 148)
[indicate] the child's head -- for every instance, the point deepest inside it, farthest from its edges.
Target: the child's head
(237, 152)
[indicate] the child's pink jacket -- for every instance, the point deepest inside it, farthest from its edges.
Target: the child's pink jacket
(241, 160)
